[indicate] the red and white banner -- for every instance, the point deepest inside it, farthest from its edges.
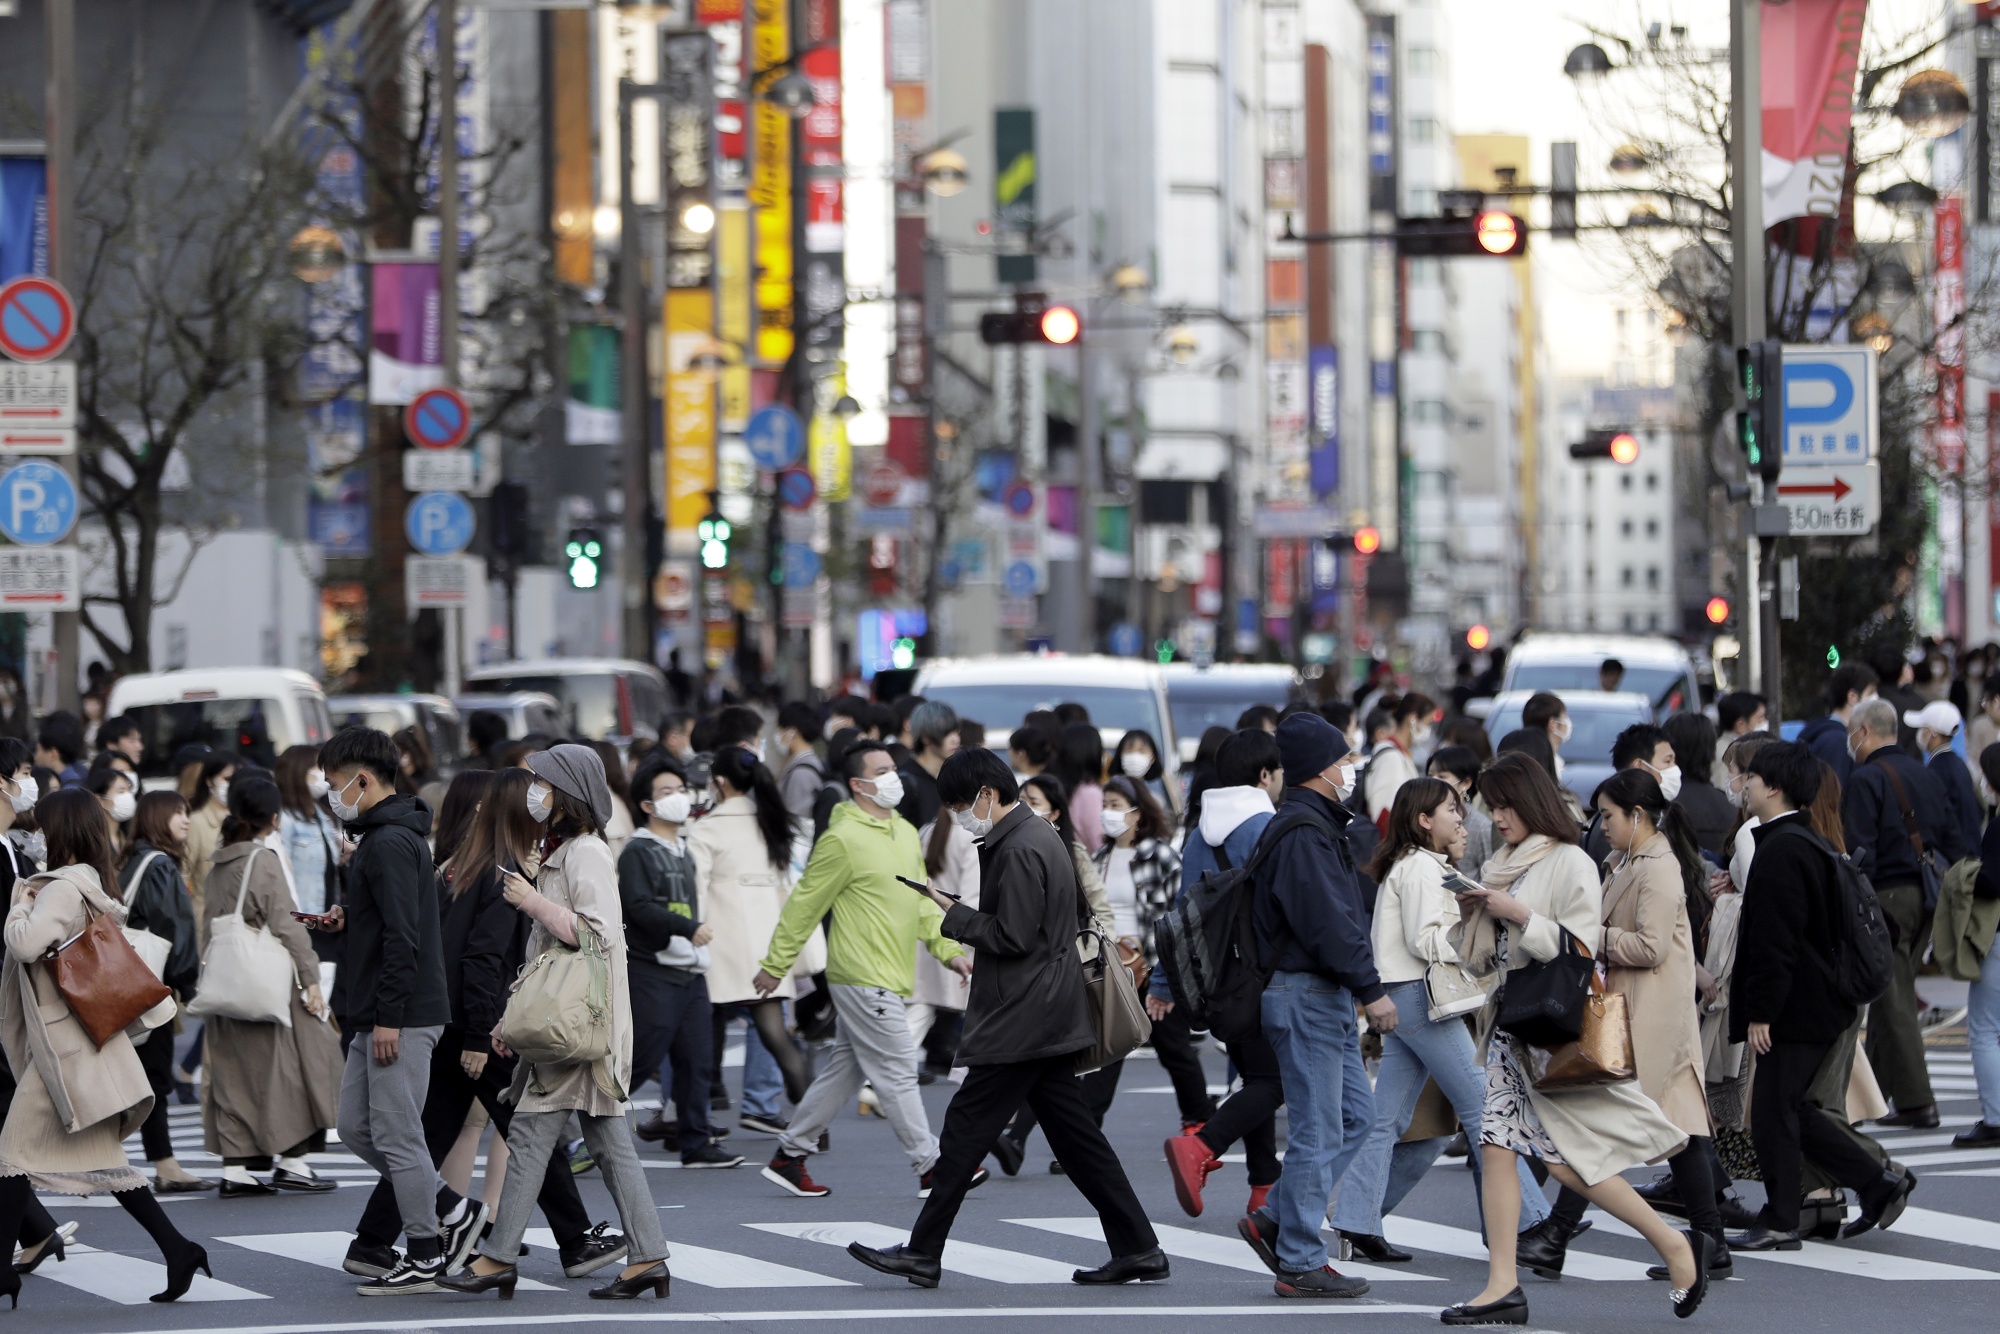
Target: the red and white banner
(1811, 49)
(1948, 314)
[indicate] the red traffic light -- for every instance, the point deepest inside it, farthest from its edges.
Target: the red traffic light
(1499, 233)
(1060, 325)
(1478, 637)
(1368, 541)
(1624, 448)
(1717, 610)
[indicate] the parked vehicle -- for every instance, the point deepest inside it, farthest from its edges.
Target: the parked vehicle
(1595, 718)
(1203, 697)
(607, 699)
(1655, 667)
(254, 711)
(434, 716)
(527, 712)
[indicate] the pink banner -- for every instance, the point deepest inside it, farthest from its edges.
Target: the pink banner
(1811, 49)
(405, 325)
(1948, 313)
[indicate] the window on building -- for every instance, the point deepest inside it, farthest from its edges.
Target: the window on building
(1652, 527)
(1590, 527)
(1427, 340)
(1625, 577)
(1653, 621)
(1653, 577)
(1426, 272)
(1628, 621)
(1590, 574)
(1422, 60)
(1423, 130)
(1625, 528)
(1652, 481)
(1624, 481)
(1430, 411)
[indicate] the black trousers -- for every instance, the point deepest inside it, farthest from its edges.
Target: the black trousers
(156, 1057)
(36, 1221)
(1786, 1125)
(672, 1041)
(1251, 1113)
(769, 1018)
(1100, 1089)
(1173, 1043)
(1694, 1182)
(983, 1104)
(451, 1095)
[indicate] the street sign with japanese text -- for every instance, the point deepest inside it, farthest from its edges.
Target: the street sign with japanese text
(440, 581)
(1832, 501)
(39, 395)
(39, 579)
(1831, 408)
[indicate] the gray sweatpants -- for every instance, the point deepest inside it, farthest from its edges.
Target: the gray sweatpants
(531, 1140)
(382, 1120)
(872, 1043)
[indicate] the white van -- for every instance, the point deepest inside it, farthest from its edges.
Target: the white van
(606, 699)
(256, 712)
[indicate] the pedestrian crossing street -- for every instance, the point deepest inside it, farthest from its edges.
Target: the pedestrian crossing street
(1928, 1245)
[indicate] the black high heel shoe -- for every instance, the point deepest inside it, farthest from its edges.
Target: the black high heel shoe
(11, 1286)
(51, 1245)
(469, 1280)
(654, 1276)
(180, 1273)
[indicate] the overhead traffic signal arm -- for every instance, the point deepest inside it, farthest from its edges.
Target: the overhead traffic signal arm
(1616, 443)
(1033, 320)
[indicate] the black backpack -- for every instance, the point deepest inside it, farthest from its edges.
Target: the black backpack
(1863, 950)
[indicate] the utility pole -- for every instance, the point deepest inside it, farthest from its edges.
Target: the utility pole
(447, 77)
(1086, 498)
(1746, 301)
(60, 132)
(632, 386)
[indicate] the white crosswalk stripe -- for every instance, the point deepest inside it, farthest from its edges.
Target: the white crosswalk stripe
(719, 1269)
(960, 1257)
(1856, 1261)
(1418, 1235)
(1186, 1244)
(323, 1250)
(129, 1280)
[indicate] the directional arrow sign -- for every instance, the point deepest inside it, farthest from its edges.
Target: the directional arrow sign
(1838, 489)
(1833, 502)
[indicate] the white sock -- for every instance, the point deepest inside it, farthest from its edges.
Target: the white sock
(457, 1213)
(240, 1175)
(297, 1165)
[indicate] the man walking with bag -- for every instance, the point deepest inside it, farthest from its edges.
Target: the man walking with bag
(1314, 925)
(1026, 1021)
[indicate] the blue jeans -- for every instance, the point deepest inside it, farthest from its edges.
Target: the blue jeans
(1383, 1171)
(1982, 1032)
(1310, 1024)
(763, 1082)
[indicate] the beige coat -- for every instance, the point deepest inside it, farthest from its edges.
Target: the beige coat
(267, 1088)
(1599, 1132)
(936, 984)
(203, 837)
(1649, 947)
(581, 877)
(741, 895)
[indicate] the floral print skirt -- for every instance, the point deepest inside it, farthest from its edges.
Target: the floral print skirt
(1508, 1118)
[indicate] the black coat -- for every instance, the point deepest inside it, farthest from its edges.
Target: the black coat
(1872, 818)
(485, 942)
(1027, 1000)
(159, 903)
(656, 890)
(1310, 910)
(394, 969)
(1710, 815)
(920, 795)
(1961, 799)
(1784, 943)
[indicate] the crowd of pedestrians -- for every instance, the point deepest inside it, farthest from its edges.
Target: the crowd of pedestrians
(887, 896)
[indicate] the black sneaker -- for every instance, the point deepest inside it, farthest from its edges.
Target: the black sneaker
(760, 1125)
(979, 1178)
(458, 1239)
(1321, 1282)
(1261, 1231)
(709, 1154)
(791, 1173)
(409, 1276)
(366, 1261)
(600, 1246)
(657, 1130)
(718, 1100)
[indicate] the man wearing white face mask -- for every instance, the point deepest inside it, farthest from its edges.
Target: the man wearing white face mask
(1640, 746)
(870, 966)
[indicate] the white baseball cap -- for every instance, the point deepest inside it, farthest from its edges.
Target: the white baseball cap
(1940, 716)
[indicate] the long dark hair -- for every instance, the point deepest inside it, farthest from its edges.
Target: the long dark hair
(1418, 797)
(1151, 820)
(461, 799)
(292, 768)
(1519, 784)
(254, 805)
(502, 830)
(1058, 796)
(78, 833)
(1633, 790)
(748, 775)
(1079, 756)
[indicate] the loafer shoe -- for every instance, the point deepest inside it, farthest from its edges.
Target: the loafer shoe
(922, 1270)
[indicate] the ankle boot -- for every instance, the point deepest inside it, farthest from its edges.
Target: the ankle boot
(1541, 1249)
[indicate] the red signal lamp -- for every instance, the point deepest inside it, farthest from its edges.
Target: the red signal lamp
(1498, 233)
(1717, 610)
(1477, 638)
(1368, 541)
(1060, 325)
(1624, 448)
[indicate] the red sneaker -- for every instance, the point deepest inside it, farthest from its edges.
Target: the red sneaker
(1258, 1194)
(792, 1175)
(1190, 1162)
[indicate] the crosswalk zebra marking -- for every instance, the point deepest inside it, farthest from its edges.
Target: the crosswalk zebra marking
(960, 1257)
(130, 1281)
(1184, 1243)
(1467, 1245)
(720, 1269)
(1851, 1260)
(322, 1250)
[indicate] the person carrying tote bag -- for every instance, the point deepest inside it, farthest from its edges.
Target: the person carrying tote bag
(246, 972)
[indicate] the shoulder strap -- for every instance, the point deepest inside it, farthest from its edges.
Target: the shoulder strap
(138, 874)
(1903, 801)
(243, 888)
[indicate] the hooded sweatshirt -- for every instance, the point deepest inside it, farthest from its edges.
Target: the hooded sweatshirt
(1232, 818)
(393, 974)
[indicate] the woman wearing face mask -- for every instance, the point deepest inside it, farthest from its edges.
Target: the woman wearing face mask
(208, 807)
(742, 852)
(312, 844)
(114, 790)
(1655, 911)
(1079, 763)
(1138, 758)
(154, 891)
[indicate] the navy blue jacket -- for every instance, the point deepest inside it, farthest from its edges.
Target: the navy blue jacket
(1961, 803)
(1310, 912)
(1872, 818)
(1826, 738)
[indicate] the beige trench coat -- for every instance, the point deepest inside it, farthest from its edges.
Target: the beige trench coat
(267, 1088)
(203, 837)
(741, 895)
(581, 876)
(936, 984)
(1599, 1132)
(1649, 946)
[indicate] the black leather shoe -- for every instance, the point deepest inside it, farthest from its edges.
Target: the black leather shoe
(1763, 1238)
(1978, 1135)
(1883, 1205)
(1735, 1213)
(180, 1272)
(1145, 1267)
(1008, 1152)
(653, 1276)
(49, 1245)
(1662, 1195)
(1261, 1231)
(1688, 1300)
(469, 1280)
(597, 1248)
(922, 1270)
(657, 1131)
(1375, 1250)
(235, 1190)
(1720, 1264)
(1914, 1118)
(1542, 1248)
(286, 1179)
(1509, 1310)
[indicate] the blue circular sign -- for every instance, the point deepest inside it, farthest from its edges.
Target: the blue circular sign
(801, 564)
(438, 419)
(796, 490)
(1126, 639)
(775, 437)
(1019, 579)
(37, 504)
(439, 523)
(1019, 498)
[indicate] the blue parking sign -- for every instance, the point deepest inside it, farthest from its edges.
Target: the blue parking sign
(37, 504)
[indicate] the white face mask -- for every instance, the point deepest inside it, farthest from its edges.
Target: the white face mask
(220, 787)
(123, 807)
(1563, 727)
(971, 822)
(889, 790)
(674, 807)
(344, 811)
(1670, 780)
(35, 847)
(1420, 737)
(1116, 823)
(1343, 786)
(29, 792)
(316, 783)
(1136, 763)
(1735, 794)
(539, 796)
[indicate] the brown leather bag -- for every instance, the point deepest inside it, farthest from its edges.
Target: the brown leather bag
(108, 986)
(1602, 1053)
(1133, 957)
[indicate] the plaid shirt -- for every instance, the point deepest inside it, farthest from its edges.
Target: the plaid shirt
(1156, 882)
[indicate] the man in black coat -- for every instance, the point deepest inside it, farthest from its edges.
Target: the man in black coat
(1783, 1003)
(1937, 723)
(1888, 793)
(1026, 1021)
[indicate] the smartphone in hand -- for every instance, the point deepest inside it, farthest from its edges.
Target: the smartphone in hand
(317, 921)
(1458, 884)
(926, 890)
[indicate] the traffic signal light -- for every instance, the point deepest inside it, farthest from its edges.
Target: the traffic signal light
(1610, 442)
(1717, 611)
(903, 655)
(1478, 638)
(1032, 321)
(1486, 232)
(882, 560)
(713, 531)
(585, 552)
(1760, 422)
(1368, 541)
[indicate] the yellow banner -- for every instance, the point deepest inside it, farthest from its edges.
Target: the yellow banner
(826, 445)
(690, 411)
(771, 189)
(733, 323)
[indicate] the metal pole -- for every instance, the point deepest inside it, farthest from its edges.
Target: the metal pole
(632, 386)
(447, 205)
(1746, 234)
(1086, 500)
(61, 136)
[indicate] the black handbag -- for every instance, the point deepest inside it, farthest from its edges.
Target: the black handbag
(1542, 1004)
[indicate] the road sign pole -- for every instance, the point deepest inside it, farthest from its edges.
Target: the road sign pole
(60, 133)
(1746, 229)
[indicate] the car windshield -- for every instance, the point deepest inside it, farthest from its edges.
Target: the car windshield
(1002, 705)
(1592, 728)
(1665, 686)
(1200, 705)
(252, 728)
(589, 703)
